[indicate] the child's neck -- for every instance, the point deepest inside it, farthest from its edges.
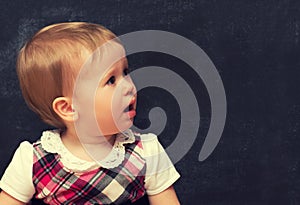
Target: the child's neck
(87, 151)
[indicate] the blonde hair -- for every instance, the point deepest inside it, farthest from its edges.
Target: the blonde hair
(47, 63)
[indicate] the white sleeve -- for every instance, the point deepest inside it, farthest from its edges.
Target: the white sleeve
(160, 171)
(17, 178)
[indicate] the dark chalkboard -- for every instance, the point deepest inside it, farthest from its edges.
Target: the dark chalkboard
(254, 46)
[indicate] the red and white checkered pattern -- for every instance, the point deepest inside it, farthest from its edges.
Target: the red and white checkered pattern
(58, 185)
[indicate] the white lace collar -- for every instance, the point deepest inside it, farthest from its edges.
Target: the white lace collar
(51, 142)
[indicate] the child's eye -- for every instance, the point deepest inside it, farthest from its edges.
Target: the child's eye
(126, 71)
(111, 80)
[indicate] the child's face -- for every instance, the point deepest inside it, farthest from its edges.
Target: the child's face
(115, 99)
(104, 84)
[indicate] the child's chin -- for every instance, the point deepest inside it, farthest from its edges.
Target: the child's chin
(126, 125)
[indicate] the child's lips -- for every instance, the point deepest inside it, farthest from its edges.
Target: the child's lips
(130, 109)
(131, 113)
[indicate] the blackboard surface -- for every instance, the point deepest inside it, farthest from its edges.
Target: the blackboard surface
(254, 46)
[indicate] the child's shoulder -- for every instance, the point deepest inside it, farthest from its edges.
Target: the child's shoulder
(150, 143)
(25, 148)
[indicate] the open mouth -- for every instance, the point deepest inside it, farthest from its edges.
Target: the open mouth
(129, 108)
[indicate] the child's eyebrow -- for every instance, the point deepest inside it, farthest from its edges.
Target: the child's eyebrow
(121, 64)
(107, 74)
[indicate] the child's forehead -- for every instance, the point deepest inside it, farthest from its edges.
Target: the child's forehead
(120, 64)
(108, 53)
(103, 59)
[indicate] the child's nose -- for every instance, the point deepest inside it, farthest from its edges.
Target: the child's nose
(128, 86)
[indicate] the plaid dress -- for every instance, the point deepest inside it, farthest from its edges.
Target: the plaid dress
(58, 185)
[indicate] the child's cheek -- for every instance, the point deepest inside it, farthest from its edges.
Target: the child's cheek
(104, 113)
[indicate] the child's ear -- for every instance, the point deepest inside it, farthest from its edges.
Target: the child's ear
(62, 106)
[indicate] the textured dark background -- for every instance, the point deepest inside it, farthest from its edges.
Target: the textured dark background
(255, 47)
